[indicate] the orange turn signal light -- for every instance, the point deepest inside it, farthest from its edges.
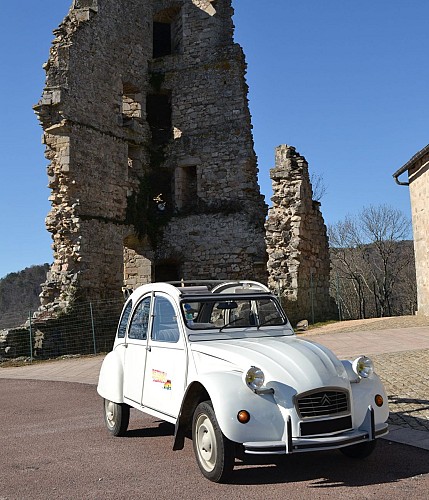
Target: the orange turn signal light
(379, 400)
(243, 416)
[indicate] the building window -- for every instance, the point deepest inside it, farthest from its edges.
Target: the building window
(161, 39)
(131, 105)
(186, 187)
(167, 32)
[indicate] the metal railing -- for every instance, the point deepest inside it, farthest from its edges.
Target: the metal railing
(88, 328)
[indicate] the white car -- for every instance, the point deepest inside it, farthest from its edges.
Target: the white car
(223, 364)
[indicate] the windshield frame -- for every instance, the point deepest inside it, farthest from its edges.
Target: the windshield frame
(228, 330)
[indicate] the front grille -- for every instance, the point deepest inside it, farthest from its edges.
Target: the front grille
(323, 403)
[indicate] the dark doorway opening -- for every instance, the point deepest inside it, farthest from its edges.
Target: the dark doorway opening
(161, 39)
(158, 112)
(167, 271)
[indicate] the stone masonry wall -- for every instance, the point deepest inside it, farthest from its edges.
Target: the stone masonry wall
(419, 193)
(152, 169)
(297, 243)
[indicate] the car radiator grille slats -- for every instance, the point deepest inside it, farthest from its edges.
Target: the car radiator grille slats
(323, 403)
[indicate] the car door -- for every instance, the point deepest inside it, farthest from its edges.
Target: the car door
(166, 360)
(136, 350)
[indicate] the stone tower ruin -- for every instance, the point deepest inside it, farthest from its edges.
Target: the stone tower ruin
(147, 129)
(297, 242)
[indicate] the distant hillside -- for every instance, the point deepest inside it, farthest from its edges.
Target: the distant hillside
(374, 280)
(19, 294)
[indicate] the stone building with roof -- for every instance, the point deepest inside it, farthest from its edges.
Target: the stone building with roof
(418, 181)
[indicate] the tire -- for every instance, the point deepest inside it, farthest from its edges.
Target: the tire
(360, 450)
(215, 453)
(116, 417)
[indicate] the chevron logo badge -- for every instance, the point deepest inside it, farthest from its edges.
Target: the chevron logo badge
(325, 401)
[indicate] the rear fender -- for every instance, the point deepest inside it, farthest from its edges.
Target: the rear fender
(111, 378)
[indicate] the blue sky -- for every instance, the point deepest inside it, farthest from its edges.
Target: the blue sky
(344, 81)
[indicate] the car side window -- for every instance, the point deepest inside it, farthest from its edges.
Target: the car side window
(140, 321)
(165, 327)
(122, 327)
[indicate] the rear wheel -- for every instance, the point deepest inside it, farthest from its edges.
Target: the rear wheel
(213, 451)
(116, 417)
(360, 450)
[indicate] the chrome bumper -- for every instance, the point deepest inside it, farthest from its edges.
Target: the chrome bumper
(368, 431)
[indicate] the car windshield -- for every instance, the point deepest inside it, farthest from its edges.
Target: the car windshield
(225, 312)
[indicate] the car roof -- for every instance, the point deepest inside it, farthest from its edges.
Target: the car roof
(200, 288)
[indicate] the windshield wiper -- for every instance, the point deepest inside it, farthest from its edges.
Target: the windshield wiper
(267, 322)
(231, 323)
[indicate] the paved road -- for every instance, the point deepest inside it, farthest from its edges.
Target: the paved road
(54, 444)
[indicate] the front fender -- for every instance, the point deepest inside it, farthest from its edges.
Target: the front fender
(229, 395)
(111, 378)
(363, 392)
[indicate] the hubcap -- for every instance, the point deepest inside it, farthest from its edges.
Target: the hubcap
(206, 443)
(110, 413)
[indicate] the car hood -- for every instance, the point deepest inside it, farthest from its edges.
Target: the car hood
(287, 362)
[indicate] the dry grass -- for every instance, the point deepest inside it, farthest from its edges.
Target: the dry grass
(371, 324)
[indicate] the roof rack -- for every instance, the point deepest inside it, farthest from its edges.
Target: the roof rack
(203, 285)
(195, 287)
(186, 282)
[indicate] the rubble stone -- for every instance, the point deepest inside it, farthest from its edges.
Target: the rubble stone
(297, 242)
(147, 129)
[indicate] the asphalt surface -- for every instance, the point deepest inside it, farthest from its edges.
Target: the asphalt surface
(54, 445)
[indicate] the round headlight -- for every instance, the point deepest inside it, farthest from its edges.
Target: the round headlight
(254, 378)
(363, 366)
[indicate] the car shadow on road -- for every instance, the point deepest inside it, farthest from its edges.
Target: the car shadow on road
(413, 401)
(156, 428)
(407, 412)
(390, 462)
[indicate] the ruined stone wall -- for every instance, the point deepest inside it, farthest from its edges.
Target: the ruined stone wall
(152, 168)
(297, 243)
(220, 229)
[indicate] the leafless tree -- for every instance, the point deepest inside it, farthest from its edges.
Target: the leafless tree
(370, 261)
(348, 265)
(318, 185)
(384, 226)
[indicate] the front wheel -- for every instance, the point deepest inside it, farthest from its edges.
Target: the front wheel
(213, 451)
(116, 417)
(360, 450)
